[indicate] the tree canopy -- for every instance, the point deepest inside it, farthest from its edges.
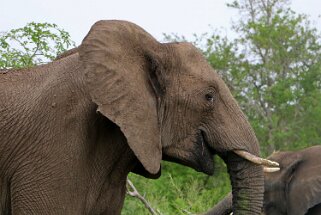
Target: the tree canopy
(273, 68)
(33, 44)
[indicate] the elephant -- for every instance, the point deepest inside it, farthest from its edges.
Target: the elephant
(73, 129)
(294, 190)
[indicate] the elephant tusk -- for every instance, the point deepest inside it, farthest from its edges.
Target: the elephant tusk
(257, 160)
(271, 169)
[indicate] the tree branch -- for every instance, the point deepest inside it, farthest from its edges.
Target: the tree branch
(132, 191)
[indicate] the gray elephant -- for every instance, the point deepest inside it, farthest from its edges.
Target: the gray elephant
(294, 190)
(72, 130)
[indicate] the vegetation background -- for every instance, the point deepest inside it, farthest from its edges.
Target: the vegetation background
(272, 67)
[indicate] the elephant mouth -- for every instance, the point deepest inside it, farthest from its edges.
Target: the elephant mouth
(268, 166)
(205, 154)
(200, 157)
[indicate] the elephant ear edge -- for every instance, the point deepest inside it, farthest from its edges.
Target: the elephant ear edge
(310, 197)
(116, 75)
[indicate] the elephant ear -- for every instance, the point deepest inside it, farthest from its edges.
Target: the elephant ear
(303, 186)
(116, 56)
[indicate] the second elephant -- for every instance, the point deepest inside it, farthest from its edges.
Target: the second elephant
(294, 190)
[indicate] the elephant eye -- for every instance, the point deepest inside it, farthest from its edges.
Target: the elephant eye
(209, 97)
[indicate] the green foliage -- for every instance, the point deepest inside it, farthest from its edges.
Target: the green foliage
(36, 43)
(281, 62)
(180, 190)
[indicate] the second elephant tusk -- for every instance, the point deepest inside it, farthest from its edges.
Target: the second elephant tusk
(271, 169)
(255, 159)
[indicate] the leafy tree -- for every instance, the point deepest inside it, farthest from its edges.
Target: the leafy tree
(273, 70)
(36, 43)
(280, 58)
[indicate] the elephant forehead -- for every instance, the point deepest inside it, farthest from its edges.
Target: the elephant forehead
(193, 62)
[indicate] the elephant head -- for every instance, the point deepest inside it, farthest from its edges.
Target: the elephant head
(170, 104)
(296, 189)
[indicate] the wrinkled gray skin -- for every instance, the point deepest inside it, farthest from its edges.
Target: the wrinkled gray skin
(72, 130)
(294, 190)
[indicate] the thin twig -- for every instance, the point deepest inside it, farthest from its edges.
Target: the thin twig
(132, 191)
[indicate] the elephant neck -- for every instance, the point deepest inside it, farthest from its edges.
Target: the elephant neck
(111, 160)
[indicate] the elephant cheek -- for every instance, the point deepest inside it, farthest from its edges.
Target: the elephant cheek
(197, 158)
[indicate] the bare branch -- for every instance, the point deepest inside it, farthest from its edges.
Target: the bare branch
(132, 191)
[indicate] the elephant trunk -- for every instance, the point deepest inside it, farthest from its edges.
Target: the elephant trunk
(224, 207)
(242, 192)
(247, 185)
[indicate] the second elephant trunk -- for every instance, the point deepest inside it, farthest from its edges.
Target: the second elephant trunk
(224, 207)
